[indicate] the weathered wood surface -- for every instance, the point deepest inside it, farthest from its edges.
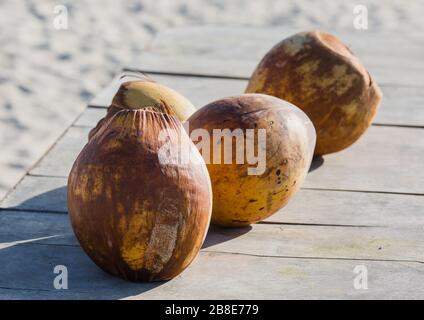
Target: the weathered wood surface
(267, 258)
(248, 43)
(400, 106)
(389, 74)
(90, 117)
(385, 159)
(34, 228)
(38, 194)
(379, 161)
(352, 208)
(63, 153)
(391, 60)
(199, 90)
(362, 206)
(309, 207)
(211, 276)
(282, 241)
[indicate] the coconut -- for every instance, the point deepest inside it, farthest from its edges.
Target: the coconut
(245, 192)
(319, 74)
(134, 94)
(138, 211)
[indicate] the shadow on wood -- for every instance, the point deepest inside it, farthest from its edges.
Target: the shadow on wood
(218, 234)
(53, 200)
(28, 269)
(317, 161)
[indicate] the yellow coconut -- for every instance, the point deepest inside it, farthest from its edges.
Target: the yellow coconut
(134, 94)
(319, 74)
(246, 191)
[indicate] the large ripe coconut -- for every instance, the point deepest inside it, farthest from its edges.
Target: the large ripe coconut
(134, 94)
(319, 74)
(242, 196)
(136, 209)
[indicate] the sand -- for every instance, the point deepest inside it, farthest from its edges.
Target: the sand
(48, 75)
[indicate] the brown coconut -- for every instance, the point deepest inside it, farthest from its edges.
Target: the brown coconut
(319, 74)
(240, 198)
(135, 214)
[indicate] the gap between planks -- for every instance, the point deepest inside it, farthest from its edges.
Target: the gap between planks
(364, 191)
(373, 124)
(182, 74)
(253, 254)
(225, 77)
(43, 211)
(304, 188)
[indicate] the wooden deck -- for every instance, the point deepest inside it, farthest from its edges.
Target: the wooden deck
(362, 206)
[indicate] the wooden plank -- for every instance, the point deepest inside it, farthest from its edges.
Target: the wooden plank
(211, 276)
(31, 267)
(374, 48)
(200, 91)
(298, 241)
(218, 276)
(240, 42)
(390, 59)
(27, 227)
(197, 65)
(315, 207)
(352, 208)
(320, 242)
(242, 258)
(90, 117)
(59, 161)
(386, 72)
(385, 159)
(38, 194)
(400, 106)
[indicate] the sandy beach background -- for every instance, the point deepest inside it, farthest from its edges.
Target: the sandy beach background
(48, 75)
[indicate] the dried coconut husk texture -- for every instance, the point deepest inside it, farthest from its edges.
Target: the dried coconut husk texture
(319, 74)
(140, 94)
(135, 214)
(240, 198)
